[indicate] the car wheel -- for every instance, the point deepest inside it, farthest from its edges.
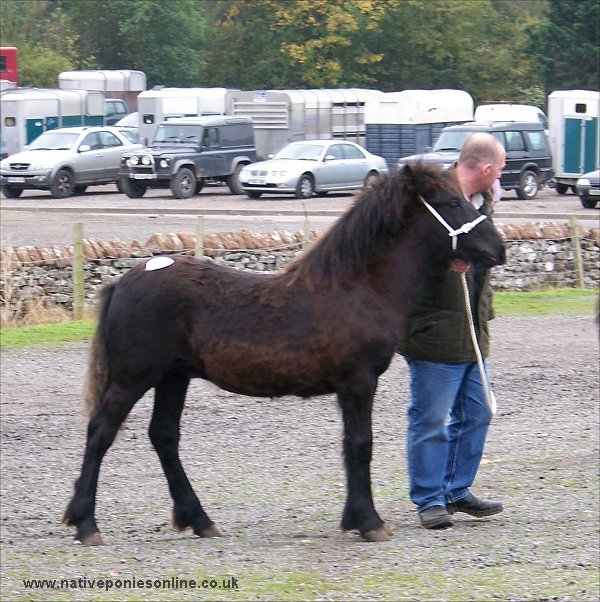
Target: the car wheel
(62, 185)
(133, 189)
(233, 181)
(252, 194)
(529, 185)
(372, 178)
(562, 188)
(183, 185)
(79, 189)
(10, 192)
(588, 203)
(305, 187)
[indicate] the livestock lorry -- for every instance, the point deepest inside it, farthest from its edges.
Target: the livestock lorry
(574, 135)
(283, 116)
(399, 124)
(27, 112)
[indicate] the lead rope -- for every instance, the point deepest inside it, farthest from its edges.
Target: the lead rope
(489, 395)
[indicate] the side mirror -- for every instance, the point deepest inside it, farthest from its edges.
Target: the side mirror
(329, 158)
(427, 149)
(84, 148)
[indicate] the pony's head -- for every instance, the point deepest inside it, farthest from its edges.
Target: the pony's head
(442, 209)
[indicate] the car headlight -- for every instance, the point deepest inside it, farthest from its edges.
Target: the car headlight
(134, 160)
(165, 163)
(146, 160)
(583, 182)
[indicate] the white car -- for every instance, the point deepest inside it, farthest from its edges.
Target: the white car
(312, 167)
(67, 160)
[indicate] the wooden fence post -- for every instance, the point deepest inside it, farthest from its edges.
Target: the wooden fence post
(78, 281)
(576, 242)
(199, 252)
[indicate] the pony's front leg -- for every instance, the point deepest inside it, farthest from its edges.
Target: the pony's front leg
(356, 401)
(164, 433)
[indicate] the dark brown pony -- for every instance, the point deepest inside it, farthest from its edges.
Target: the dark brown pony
(328, 323)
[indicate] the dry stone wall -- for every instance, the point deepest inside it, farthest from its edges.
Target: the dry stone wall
(538, 254)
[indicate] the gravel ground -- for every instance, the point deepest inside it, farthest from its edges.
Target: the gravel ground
(269, 472)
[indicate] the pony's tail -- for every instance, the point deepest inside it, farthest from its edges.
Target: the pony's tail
(97, 371)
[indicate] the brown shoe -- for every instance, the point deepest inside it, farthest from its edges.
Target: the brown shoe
(475, 506)
(435, 517)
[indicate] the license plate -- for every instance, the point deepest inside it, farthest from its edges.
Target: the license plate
(143, 176)
(257, 181)
(594, 191)
(16, 180)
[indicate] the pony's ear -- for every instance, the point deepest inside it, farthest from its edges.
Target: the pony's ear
(411, 180)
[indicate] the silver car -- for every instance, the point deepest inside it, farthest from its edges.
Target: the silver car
(66, 161)
(312, 167)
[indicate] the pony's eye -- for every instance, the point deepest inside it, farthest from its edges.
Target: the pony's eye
(454, 204)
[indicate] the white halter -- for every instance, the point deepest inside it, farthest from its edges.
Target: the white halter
(453, 233)
(489, 395)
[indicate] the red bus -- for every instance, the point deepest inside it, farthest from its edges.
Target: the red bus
(8, 64)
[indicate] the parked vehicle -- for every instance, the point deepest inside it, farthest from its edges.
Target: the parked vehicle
(187, 152)
(123, 84)
(162, 104)
(284, 116)
(406, 123)
(116, 109)
(9, 64)
(28, 112)
(528, 156)
(312, 166)
(574, 135)
(66, 161)
(588, 189)
(505, 111)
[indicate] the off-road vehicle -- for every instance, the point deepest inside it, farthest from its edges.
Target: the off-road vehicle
(186, 152)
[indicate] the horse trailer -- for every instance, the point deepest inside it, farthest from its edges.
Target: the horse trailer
(162, 104)
(405, 123)
(124, 84)
(574, 135)
(504, 111)
(27, 112)
(284, 116)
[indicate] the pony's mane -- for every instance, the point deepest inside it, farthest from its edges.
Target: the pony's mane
(377, 219)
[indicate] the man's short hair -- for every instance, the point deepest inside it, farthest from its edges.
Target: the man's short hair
(480, 148)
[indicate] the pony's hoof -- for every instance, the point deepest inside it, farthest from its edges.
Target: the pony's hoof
(381, 534)
(92, 539)
(212, 531)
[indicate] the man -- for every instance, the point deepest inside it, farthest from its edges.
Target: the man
(448, 416)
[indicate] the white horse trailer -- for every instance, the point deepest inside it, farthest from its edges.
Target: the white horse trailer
(504, 111)
(283, 116)
(28, 112)
(163, 104)
(399, 124)
(574, 135)
(125, 84)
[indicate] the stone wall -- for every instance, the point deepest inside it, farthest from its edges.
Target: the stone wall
(538, 255)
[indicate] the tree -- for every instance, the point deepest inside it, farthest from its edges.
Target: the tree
(565, 45)
(161, 38)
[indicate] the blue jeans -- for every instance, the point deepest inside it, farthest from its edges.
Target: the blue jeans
(448, 420)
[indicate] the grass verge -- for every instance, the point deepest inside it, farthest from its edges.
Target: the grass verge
(567, 301)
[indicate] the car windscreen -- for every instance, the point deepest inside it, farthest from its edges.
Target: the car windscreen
(450, 141)
(54, 141)
(309, 152)
(178, 133)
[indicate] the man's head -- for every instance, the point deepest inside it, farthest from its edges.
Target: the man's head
(480, 163)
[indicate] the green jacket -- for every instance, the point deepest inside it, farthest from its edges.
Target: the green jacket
(437, 330)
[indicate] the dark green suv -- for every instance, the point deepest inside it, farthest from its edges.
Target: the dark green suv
(528, 155)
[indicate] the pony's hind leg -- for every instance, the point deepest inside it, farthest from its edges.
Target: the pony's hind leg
(356, 401)
(164, 434)
(102, 429)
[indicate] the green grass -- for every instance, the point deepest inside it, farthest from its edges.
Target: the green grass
(566, 301)
(25, 336)
(563, 301)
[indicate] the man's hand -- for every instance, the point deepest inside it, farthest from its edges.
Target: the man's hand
(459, 265)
